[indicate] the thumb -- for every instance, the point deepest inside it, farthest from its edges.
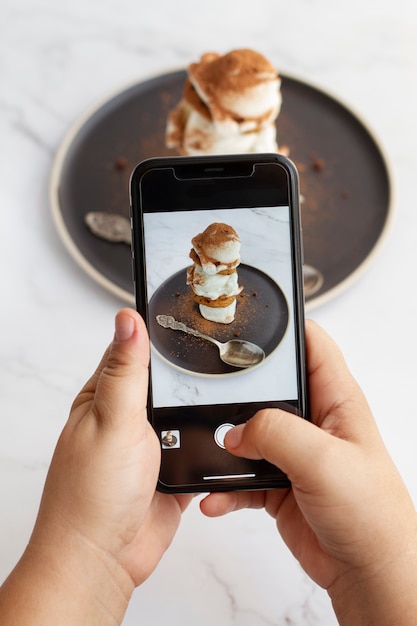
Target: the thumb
(339, 414)
(285, 440)
(122, 380)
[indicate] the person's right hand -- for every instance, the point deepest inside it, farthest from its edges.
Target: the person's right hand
(347, 517)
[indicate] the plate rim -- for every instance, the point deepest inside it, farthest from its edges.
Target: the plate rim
(128, 297)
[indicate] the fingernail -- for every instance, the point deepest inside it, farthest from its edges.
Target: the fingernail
(124, 327)
(233, 437)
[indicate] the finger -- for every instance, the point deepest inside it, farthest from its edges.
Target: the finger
(88, 390)
(90, 386)
(217, 504)
(337, 406)
(289, 442)
(122, 378)
(184, 500)
(337, 403)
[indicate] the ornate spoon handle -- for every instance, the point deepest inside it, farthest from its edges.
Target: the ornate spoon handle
(167, 321)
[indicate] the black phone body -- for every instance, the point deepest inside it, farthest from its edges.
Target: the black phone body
(194, 397)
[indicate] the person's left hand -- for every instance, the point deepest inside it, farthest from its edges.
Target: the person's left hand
(101, 484)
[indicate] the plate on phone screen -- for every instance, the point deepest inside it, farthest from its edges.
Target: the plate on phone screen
(344, 178)
(261, 317)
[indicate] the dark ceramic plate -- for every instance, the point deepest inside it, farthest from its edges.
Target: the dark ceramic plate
(344, 178)
(261, 317)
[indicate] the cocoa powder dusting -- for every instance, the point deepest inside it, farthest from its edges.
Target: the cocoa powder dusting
(192, 98)
(215, 235)
(121, 163)
(234, 72)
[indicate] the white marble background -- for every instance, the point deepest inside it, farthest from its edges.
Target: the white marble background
(56, 60)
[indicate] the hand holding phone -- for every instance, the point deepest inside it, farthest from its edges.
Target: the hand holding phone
(218, 279)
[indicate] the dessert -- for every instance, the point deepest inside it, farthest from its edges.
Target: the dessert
(213, 275)
(229, 105)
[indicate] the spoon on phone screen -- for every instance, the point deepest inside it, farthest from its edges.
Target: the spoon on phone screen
(236, 352)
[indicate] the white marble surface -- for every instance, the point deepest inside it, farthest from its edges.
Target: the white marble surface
(56, 60)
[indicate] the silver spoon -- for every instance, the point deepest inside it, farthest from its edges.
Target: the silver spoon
(116, 228)
(313, 280)
(109, 226)
(236, 352)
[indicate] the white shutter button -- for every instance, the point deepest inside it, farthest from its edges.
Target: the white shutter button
(220, 434)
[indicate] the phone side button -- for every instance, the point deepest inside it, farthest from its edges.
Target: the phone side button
(302, 246)
(220, 434)
(133, 269)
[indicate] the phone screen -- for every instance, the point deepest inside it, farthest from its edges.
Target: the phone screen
(220, 256)
(182, 376)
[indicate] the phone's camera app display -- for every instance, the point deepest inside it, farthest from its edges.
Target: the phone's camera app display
(220, 289)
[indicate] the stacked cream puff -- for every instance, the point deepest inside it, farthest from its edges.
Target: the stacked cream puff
(229, 106)
(213, 275)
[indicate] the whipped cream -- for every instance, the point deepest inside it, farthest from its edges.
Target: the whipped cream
(221, 315)
(212, 285)
(217, 248)
(213, 276)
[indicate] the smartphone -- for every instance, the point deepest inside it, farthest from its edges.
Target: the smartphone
(217, 255)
